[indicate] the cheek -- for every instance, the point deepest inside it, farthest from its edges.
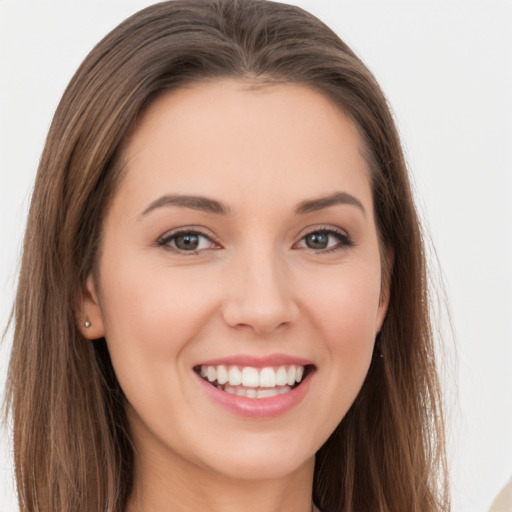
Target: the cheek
(151, 316)
(347, 302)
(342, 310)
(151, 320)
(345, 310)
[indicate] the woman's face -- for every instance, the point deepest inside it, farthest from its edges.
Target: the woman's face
(240, 249)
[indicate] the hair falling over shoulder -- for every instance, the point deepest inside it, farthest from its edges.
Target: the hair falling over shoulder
(72, 443)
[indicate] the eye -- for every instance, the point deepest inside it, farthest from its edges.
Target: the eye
(324, 240)
(190, 241)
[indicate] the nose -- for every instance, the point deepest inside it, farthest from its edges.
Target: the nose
(259, 295)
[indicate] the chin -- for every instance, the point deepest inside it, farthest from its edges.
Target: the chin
(261, 458)
(264, 468)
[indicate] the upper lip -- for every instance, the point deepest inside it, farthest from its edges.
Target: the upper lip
(256, 361)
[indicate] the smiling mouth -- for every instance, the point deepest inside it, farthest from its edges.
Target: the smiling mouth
(252, 382)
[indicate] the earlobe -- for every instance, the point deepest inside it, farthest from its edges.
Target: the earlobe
(387, 271)
(91, 318)
(382, 311)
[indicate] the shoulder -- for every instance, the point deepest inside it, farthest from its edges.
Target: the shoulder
(503, 502)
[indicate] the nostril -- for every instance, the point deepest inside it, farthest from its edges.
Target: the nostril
(262, 320)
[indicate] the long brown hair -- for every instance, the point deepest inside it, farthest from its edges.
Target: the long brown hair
(71, 438)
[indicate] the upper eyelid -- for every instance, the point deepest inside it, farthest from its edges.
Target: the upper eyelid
(322, 228)
(344, 238)
(335, 230)
(183, 230)
(165, 241)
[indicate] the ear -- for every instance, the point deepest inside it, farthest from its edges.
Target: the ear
(91, 318)
(388, 260)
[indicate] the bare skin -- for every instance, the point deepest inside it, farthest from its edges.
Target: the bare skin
(243, 230)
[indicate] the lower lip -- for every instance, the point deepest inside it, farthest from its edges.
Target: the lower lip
(268, 407)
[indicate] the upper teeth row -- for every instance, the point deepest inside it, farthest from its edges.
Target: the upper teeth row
(248, 376)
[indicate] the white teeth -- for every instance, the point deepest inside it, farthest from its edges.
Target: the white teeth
(256, 393)
(281, 376)
(291, 375)
(234, 376)
(212, 373)
(250, 377)
(267, 393)
(222, 374)
(267, 378)
(279, 379)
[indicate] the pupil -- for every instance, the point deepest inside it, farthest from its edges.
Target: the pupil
(187, 242)
(317, 240)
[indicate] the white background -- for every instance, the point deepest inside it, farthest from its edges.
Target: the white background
(446, 67)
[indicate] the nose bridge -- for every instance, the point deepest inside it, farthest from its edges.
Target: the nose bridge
(259, 290)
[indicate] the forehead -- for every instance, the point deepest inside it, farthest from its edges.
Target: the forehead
(228, 138)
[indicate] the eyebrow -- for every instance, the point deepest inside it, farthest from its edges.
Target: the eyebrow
(208, 205)
(314, 205)
(200, 203)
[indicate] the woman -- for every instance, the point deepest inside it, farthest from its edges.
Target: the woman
(222, 303)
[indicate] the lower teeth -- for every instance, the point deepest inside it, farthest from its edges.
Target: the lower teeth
(255, 392)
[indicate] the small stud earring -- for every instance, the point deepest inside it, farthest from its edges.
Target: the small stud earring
(87, 324)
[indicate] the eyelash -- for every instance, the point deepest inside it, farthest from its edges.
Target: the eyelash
(165, 241)
(344, 240)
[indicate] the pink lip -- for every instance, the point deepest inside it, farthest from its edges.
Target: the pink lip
(257, 362)
(258, 407)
